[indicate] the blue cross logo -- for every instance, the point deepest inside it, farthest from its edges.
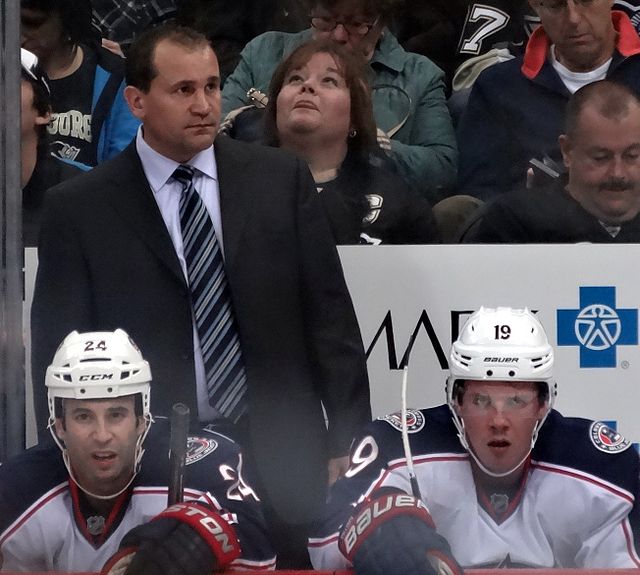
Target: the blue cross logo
(597, 327)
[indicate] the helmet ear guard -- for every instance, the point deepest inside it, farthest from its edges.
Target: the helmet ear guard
(500, 344)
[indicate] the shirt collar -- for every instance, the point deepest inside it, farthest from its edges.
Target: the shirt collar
(388, 52)
(159, 168)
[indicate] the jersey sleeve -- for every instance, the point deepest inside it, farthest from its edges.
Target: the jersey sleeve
(227, 491)
(370, 468)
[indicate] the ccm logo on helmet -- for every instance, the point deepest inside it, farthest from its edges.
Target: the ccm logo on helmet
(372, 513)
(501, 359)
(205, 520)
(96, 377)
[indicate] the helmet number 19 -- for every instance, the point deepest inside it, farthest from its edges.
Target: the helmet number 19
(502, 331)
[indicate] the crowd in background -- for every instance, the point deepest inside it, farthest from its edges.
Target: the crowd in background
(444, 144)
(493, 122)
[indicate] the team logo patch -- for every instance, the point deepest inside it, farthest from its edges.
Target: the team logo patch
(607, 439)
(198, 448)
(415, 420)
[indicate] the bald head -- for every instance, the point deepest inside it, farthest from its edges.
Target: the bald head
(601, 150)
(611, 100)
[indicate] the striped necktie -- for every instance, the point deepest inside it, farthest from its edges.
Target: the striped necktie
(211, 302)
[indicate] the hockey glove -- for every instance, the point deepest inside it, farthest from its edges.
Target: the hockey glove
(394, 534)
(185, 539)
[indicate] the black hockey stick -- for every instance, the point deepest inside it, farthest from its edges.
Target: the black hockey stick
(178, 452)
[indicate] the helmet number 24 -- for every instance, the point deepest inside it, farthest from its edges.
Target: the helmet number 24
(95, 345)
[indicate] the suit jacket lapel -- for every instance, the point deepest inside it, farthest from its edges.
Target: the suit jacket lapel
(133, 200)
(236, 183)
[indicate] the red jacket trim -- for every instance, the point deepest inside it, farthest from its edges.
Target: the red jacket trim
(627, 43)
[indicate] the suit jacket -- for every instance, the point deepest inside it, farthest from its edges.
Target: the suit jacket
(106, 261)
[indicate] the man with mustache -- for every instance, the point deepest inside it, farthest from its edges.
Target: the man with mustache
(516, 109)
(598, 200)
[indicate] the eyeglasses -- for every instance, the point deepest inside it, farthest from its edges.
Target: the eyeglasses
(30, 66)
(556, 6)
(324, 24)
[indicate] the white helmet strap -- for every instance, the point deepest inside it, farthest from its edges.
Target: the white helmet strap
(462, 435)
(139, 452)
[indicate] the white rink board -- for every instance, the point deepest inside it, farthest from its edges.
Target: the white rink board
(406, 280)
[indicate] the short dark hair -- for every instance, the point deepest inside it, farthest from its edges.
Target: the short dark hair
(75, 16)
(612, 100)
(60, 412)
(353, 69)
(382, 8)
(140, 68)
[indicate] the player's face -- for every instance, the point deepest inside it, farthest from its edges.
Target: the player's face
(582, 32)
(314, 104)
(499, 418)
(362, 30)
(181, 110)
(603, 159)
(100, 436)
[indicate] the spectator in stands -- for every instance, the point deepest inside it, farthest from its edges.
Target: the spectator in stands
(91, 121)
(230, 25)
(40, 170)
(120, 20)
(516, 109)
(450, 32)
(320, 107)
(408, 89)
(599, 199)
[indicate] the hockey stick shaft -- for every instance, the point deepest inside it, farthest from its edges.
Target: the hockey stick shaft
(178, 451)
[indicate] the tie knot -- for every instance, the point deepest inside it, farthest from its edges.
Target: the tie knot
(183, 174)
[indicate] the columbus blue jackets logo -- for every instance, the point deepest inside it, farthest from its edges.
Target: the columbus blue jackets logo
(198, 448)
(607, 439)
(415, 420)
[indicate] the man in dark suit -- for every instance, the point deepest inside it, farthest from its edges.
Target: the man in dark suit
(111, 254)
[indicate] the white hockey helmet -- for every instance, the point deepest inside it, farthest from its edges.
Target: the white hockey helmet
(500, 344)
(98, 365)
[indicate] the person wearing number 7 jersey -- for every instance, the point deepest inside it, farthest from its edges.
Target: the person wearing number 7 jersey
(501, 478)
(97, 500)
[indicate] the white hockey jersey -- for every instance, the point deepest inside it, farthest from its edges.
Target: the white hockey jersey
(576, 508)
(47, 525)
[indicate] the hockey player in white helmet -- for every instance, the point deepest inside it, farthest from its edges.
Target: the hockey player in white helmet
(97, 379)
(99, 497)
(501, 478)
(504, 361)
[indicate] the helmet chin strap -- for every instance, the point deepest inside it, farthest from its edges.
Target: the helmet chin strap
(462, 435)
(67, 463)
(139, 452)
